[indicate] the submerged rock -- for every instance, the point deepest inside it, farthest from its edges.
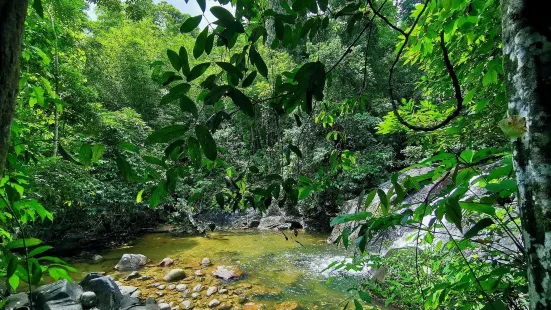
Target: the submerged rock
(97, 258)
(228, 273)
(88, 299)
(213, 303)
(199, 273)
(288, 305)
(252, 306)
(181, 287)
(206, 262)
(164, 306)
(187, 304)
(131, 262)
(174, 275)
(211, 290)
(166, 262)
(107, 291)
(198, 288)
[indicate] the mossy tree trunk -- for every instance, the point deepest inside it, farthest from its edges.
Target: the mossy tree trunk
(527, 51)
(12, 21)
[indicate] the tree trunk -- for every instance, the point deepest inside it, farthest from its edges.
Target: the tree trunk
(527, 51)
(12, 21)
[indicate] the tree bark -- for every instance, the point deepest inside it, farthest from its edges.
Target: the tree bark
(12, 21)
(527, 51)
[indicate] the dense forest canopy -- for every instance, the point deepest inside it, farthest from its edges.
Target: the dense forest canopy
(142, 116)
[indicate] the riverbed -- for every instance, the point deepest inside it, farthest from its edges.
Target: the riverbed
(279, 266)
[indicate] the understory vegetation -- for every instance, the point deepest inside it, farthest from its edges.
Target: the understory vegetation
(130, 114)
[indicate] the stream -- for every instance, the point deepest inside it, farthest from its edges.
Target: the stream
(278, 270)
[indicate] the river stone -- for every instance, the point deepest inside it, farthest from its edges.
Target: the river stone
(160, 294)
(57, 291)
(181, 287)
(211, 290)
(199, 273)
(161, 287)
(251, 306)
(194, 295)
(17, 301)
(108, 294)
(288, 305)
(97, 258)
(228, 273)
(174, 275)
(128, 303)
(198, 288)
(88, 299)
(213, 303)
(164, 306)
(62, 304)
(154, 285)
(166, 262)
(186, 304)
(144, 278)
(131, 262)
(127, 290)
(206, 262)
(132, 275)
(136, 294)
(150, 301)
(225, 306)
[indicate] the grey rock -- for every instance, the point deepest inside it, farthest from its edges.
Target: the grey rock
(222, 291)
(198, 288)
(181, 287)
(128, 302)
(214, 303)
(161, 287)
(88, 299)
(57, 291)
(17, 301)
(174, 275)
(108, 294)
(211, 290)
(144, 278)
(97, 258)
(187, 304)
(127, 290)
(150, 301)
(154, 285)
(62, 304)
(171, 287)
(206, 262)
(199, 273)
(164, 306)
(132, 275)
(136, 294)
(166, 262)
(228, 273)
(160, 294)
(131, 262)
(194, 295)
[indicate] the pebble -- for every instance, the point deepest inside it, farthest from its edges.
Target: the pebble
(164, 306)
(160, 294)
(161, 287)
(144, 278)
(198, 288)
(199, 273)
(88, 299)
(132, 275)
(213, 303)
(223, 291)
(171, 286)
(186, 304)
(181, 287)
(205, 262)
(194, 295)
(154, 285)
(211, 290)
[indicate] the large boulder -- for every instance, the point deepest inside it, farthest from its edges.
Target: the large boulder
(108, 294)
(228, 273)
(131, 262)
(17, 301)
(174, 275)
(57, 295)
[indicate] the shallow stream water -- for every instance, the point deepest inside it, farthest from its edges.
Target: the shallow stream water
(284, 270)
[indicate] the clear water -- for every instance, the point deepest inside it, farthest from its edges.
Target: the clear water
(284, 269)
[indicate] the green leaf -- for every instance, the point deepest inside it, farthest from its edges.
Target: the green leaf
(12, 266)
(249, 79)
(208, 145)
(21, 243)
(197, 71)
(195, 154)
(242, 101)
(40, 250)
(257, 33)
(36, 272)
(254, 169)
(231, 69)
(209, 43)
(383, 200)
(187, 105)
(14, 282)
(344, 218)
(323, 6)
(97, 152)
(478, 207)
(185, 62)
(175, 59)
(190, 24)
(85, 154)
(357, 305)
(221, 13)
(279, 28)
(167, 134)
(200, 42)
(139, 197)
(175, 93)
(154, 161)
(453, 213)
(345, 237)
(363, 295)
(220, 200)
(127, 146)
(258, 62)
(303, 192)
(370, 198)
(295, 150)
(480, 225)
(202, 5)
(37, 6)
